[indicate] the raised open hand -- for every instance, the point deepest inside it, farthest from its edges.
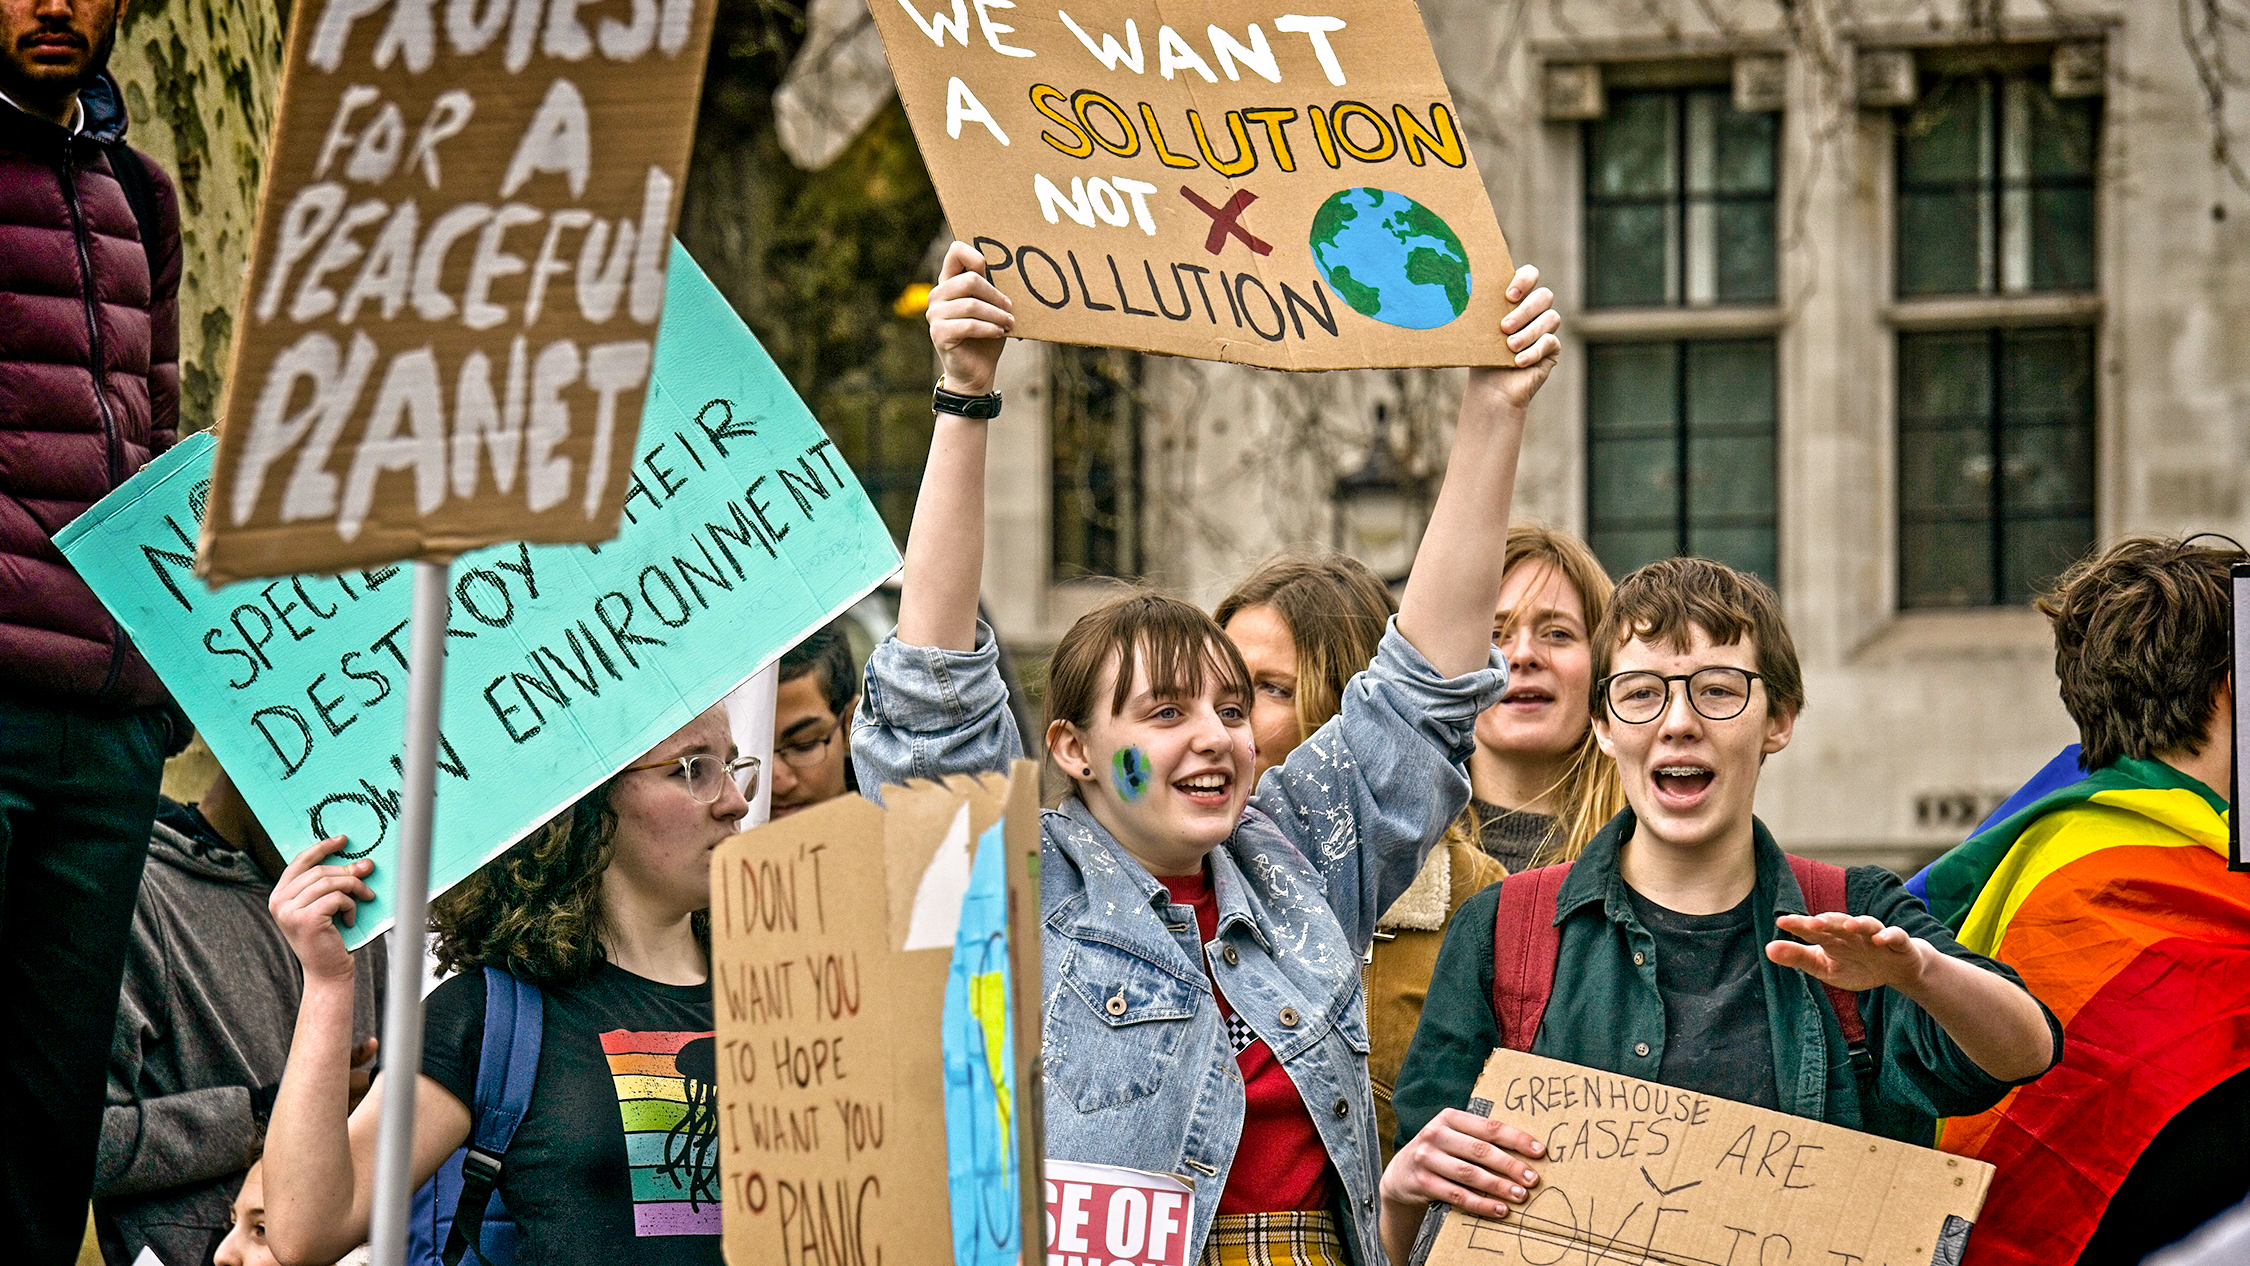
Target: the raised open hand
(1851, 952)
(970, 321)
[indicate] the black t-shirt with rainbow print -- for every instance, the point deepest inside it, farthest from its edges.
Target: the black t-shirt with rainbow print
(617, 1159)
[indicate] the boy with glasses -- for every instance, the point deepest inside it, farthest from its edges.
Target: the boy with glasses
(812, 739)
(1661, 940)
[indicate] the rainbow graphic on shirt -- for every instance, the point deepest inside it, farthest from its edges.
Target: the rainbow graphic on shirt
(667, 1092)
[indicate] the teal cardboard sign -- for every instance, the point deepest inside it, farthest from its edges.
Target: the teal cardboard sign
(743, 531)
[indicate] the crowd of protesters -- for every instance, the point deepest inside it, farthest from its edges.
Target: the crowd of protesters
(1313, 815)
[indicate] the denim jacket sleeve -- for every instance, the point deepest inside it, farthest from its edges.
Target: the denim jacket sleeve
(1365, 797)
(927, 713)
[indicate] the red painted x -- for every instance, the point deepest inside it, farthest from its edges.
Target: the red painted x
(1224, 221)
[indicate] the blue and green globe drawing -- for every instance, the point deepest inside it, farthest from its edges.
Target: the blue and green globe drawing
(1391, 258)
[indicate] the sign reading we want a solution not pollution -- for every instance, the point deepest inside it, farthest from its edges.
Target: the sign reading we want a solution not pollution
(742, 529)
(1236, 180)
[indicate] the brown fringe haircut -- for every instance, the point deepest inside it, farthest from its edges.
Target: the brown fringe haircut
(535, 911)
(2141, 644)
(1173, 641)
(1660, 602)
(1335, 610)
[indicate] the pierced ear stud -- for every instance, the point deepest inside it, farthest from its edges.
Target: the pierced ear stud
(1087, 772)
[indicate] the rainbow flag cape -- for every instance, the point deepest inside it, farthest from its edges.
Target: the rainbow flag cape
(2113, 898)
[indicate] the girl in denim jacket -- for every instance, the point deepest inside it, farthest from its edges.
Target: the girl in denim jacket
(1202, 941)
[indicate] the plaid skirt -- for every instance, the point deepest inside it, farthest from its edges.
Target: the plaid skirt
(1274, 1239)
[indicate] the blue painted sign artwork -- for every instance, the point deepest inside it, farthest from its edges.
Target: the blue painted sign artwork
(984, 1168)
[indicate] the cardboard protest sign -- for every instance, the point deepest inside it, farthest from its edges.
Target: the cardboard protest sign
(1637, 1172)
(743, 531)
(830, 999)
(1278, 188)
(446, 330)
(1101, 1215)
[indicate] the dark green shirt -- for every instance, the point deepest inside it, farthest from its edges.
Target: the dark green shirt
(1607, 1012)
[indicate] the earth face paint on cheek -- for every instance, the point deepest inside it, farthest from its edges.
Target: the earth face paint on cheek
(1128, 772)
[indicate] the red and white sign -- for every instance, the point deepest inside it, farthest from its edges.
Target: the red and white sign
(1101, 1215)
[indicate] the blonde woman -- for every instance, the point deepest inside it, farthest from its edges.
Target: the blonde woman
(1540, 786)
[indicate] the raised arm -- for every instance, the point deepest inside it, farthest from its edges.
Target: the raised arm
(1455, 585)
(318, 1203)
(969, 324)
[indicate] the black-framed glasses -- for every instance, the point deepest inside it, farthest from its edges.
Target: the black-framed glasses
(707, 774)
(810, 752)
(1717, 693)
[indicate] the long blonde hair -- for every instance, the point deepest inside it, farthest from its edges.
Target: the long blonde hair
(1589, 789)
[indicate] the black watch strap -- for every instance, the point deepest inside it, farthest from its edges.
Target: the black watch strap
(953, 402)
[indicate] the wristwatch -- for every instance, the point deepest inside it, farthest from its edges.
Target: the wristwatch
(953, 402)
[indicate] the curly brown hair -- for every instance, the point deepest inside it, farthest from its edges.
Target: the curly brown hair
(535, 911)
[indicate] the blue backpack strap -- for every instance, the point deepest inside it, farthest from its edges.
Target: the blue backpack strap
(507, 1065)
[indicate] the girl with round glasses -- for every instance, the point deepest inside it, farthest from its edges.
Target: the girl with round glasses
(605, 910)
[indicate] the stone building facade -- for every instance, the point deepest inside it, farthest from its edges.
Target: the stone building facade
(1902, 303)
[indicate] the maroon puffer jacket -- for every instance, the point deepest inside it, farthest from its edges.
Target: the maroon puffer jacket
(89, 388)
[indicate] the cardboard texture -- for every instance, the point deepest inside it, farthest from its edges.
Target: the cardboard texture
(564, 662)
(447, 325)
(1234, 181)
(832, 1077)
(1641, 1173)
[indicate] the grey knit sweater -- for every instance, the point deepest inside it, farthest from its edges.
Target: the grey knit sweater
(209, 1003)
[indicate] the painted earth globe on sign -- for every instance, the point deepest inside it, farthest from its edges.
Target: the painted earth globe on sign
(1391, 258)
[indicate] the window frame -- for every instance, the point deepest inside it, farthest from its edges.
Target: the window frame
(1683, 437)
(1992, 191)
(1678, 204)
(1065, 400)
(1996, 310)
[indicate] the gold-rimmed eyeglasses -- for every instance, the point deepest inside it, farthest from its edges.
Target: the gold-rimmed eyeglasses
(706, 774)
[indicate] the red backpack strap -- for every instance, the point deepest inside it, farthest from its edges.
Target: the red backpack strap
(1823, 886)
(1524, 944)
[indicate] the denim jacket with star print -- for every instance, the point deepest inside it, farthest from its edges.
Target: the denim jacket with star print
(1330, 838)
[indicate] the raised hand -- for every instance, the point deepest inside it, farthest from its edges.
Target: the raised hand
(308, 900)
(970, 321)
(1851, 952)
(1530, 328)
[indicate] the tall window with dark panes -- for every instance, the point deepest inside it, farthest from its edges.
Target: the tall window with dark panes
(1996, 197)
(1096, 472)
(1680, 432)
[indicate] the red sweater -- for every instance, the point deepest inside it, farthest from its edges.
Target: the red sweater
(1280, 1165)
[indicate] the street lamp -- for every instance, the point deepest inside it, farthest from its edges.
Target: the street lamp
(1381, 508)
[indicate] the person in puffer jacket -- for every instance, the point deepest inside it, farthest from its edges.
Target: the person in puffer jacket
(89, 392)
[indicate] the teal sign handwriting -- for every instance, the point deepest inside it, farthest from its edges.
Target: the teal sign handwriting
(743, 531)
